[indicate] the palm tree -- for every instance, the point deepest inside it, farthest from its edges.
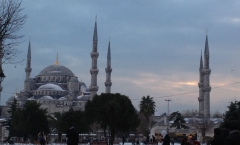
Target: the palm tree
(147, 107)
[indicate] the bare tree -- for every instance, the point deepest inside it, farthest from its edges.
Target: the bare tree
(189, 113)
(217, 114)
(11, 21)
(203, 125)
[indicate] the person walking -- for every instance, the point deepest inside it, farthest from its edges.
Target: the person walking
(123, 140)
(153, 138)
(166, 138)
(72, 137)
(137, 142)
(42, 138)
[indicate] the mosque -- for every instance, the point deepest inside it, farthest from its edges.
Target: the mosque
(57, 88)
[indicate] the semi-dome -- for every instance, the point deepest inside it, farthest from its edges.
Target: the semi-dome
(62, 98)
(83, 98)
(50, 87)
(56, 70)
(46, 98)
(11, 99)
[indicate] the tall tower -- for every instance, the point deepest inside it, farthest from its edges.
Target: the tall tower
(200, 85)
(108, 70)
(28, 68)
(206, 81)
(94, 70)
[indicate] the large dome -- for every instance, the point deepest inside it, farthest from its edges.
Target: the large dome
(56, 70)
(50, 87)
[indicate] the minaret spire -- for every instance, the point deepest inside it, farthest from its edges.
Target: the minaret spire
(94, 70)
(201, 62)
(206, 53)
(200, 85)
(56, 62)
(108, 70)
(95, 37)
(28, 68)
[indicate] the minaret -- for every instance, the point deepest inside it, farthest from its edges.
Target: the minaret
(94, 70)
(28, 68)
(200, 85)
(108, 70)
(206, 81)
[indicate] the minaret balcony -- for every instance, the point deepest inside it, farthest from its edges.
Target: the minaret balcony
(94, 54)
(28, 69)
(206, 89)
(200, 99)
(200, 85)
(108, 84)
(108, 70)
(93, 88)
(206, 71)
(94, 71)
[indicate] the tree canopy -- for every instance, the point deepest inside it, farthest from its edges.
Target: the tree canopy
(232, 114)
(8, 123)
(178, 120)
(74, 118)
(113, 111)
(31, 119)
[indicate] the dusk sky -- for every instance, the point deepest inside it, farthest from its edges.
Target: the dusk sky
(155, 47)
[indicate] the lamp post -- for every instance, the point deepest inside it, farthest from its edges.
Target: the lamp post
(2, 76)
(168, 100)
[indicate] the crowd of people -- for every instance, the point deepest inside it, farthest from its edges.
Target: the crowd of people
(229, 135)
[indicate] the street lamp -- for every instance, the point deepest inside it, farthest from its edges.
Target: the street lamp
(168, 100)
(2, 76)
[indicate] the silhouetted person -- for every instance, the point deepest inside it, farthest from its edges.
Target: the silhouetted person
(137, 141)
(42, 137)
(225, 131)
(123, 140)
(148, 139)
(153, 138)
(166, 138)
(72, 136)
(217, 139)
(185, 141)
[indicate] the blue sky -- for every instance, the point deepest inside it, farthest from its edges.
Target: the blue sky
(155, 46)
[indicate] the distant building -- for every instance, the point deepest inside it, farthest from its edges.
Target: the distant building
(57, 88)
